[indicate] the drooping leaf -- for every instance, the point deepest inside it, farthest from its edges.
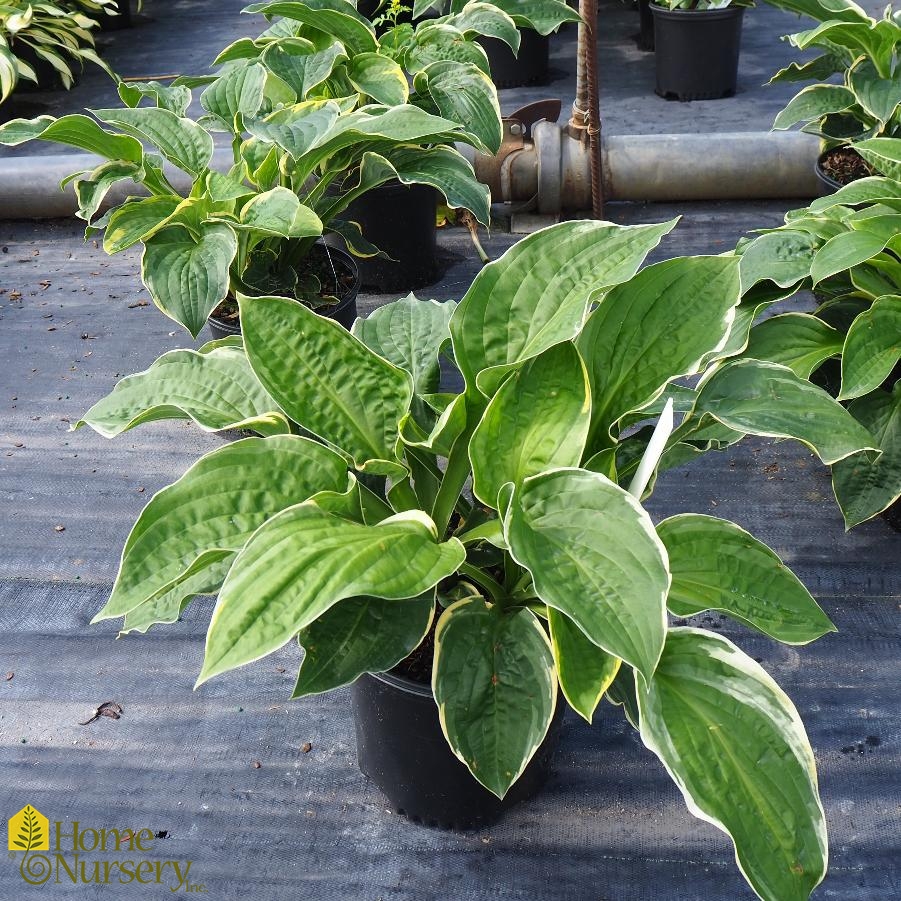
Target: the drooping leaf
(302, 67)
(280, 212)
(797, 340)
(495, 688)
(342, 21)
(237, 91)
(75, 131)
(844, 251)
(872, 347)
(297, 128)
(379, 77)
(135, 219)
(814, 102)
(736, 747)
(304, 561)
(487, 20)
(782, 256)
(544, 16)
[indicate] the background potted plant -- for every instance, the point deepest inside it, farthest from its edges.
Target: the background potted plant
(864, 51)
(697, 44)
(550, 576)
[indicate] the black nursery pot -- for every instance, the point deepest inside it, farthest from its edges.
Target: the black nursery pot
(400, 221)
(401, 748)
(646, 19)
(697, 52)
(344, 312)
(832, 184)
(509, 70)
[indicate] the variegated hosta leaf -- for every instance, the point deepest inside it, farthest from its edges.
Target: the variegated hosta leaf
(736, 747)
(495, 688)
(92, 188)
(325, 379)
(337, 18)
(814, 102)
(488, 20)
(409, 333)
(300, 65)
(584, 671)
(360, 635)
(379, 77)
(75, 131)
(844, 251)
(303, 562)
(237, 91)
(782, 256)
(297, 128)
(136, 218)
(544, 16)
(217, 505)
(770, 400)
(883, 154)
(864, 487)
(279, 212)
(797, 340)
(593, 555)
(872, 347)
(634, 343)
(538, 420)
(716, 565)
(216, 389)
(174, 97)
(537, 294)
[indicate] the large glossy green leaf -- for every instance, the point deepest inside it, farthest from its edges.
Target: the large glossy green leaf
(536, 295)
(878, 96)
(538, 420)
(409, 333)
(872, 347)
(883, 154)
(130, 222)
(75, 131)
(304, 561)
(301, 66)
(217, 390)
(182, 141)
(360, 635)
(716, 565)
(297, 128)
(217, 505)
(379, 77)
(814, 102)
(324, 378)
(280, 212)
(844, 251)
(436, 42)
(495, 688)
(783, 256)
(770, 400)
(237, 91)
(342, 22)
(797, 340)
(188, 278)
(736, 747)
(544, 16)
(487, 20)
(654, 328)
(865, 190)
(584, 671)
(864, 487)
(594, 555)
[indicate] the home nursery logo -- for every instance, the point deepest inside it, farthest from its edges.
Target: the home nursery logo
(78, 855)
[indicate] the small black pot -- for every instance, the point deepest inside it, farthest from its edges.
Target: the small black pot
(697, 52)
(344, 312)
(117, 23)
(400, 221)
(831, 183)
(401, 748)
(529, 67)
(646, 34)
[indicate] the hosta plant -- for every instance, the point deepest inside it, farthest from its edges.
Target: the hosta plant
(248, 225)
(508, 516)
(847, 248)
(543, 16)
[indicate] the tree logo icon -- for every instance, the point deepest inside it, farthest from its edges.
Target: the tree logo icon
(29, 830)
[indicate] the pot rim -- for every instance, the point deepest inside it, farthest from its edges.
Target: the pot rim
(822, 174)
(402, 683)
(730, 12)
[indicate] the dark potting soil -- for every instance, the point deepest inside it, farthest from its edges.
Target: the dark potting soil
(845, 165)
(418, 666)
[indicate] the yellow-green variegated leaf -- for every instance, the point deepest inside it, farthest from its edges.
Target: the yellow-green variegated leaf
(782, 256)
(770, 400)
(303, 562)
(136, 219)
(594, 556)
(494, 684)
(716, 565)
(844, 251)
(814, 102)
(883, 154)
(216, 389)
(75, 131)
(92, 188)
(487, 20)
(872, 347)
(338, 18)
(325, 379)
(187, 277)
(797, 340)
(216, 506)
(544, 16)
(736, 747)
(297, 128)
(538, 420)
(300, 65)
(360, 635)
(536, 295)
(379, 77)
(279, 212)
(584, 670)
(237, 91)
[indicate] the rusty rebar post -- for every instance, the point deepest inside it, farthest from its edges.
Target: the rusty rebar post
(586, 121)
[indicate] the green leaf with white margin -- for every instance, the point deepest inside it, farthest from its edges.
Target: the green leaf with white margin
(175, 97)
(865, 190)
(409, 333)
(297, 128)
(216, 389)
(325, 379)
(486, 20)
(883, 154)
(797, 340)
(379, 77)
(594, 556)
(300, 65)
(188, 278)
(9, 74)
(716, 565)
(770, 400)
(93, 187)
(782, 256)
(872, 347)
(463, 93)
(621, 693)
(864, 488)
(279, 212)
(129, 223)
(342, 21)
(303, 562)
(494, 684)
(75, 131)
(736, 748)
(633, 343)
(584, 671)
(536, 295)
(237, 91)
(878, 96)
(538, 420)
(814, 102)
(360, 635)
(182, 141)
(544, 16)
(845, 251)
(436, 42)
(215, 506)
